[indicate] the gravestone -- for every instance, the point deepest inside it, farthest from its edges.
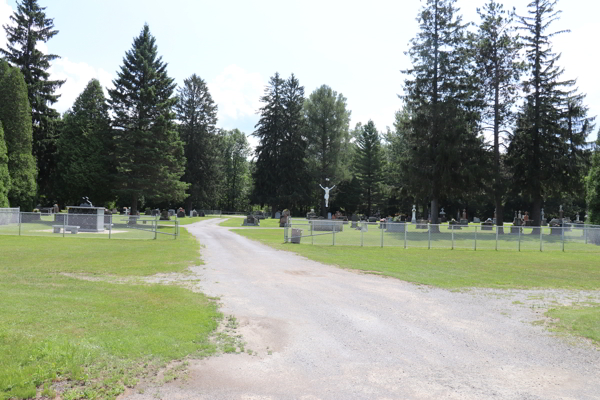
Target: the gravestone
(194, 213)
(328, 215)
(171, 213)
(487, 225)
(88, 218)
(442, 216)
(476, 220)
(180, 214)
(326, 225)
(396, 227)
(164, 215)
(277, 215)
(251, 220)
(414, 215)
(354, 221)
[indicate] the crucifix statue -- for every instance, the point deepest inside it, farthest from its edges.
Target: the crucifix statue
(326, 189)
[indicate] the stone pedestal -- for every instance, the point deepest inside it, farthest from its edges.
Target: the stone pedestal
(89, 219)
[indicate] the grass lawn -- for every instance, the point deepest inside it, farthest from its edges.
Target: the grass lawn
(95, 336)
(460, 268)
(264, 223)
(191, 220)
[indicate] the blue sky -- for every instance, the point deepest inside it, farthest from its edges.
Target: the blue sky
(355, 47)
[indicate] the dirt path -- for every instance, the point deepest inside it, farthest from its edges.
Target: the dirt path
(320, 332)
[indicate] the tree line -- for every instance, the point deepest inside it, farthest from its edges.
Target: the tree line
(153, 144)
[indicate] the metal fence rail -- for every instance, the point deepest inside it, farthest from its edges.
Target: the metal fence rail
(87, 226)
(571, 237)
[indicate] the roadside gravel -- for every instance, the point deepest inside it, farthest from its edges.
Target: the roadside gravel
(320, 332)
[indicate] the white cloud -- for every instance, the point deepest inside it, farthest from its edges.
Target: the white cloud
(5, 12)
(77, 75)
(237, 92)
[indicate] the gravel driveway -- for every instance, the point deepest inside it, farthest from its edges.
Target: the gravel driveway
(320, 332)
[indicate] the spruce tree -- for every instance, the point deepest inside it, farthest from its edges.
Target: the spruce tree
(236, 170)
(368, 163)
(4, 175)
(149, 153)
(544, 151)
(328, 138)
(499, 69)
(592, 184)
(442, 143)
(197, 115)
(85, 149)
(32, 26)
(280, 172)
(15, 115)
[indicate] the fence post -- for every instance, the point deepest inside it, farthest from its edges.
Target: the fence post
(155, 227)
(285, 231)
(475, 244)
(563, 238)
(519, 245)
(20, 224)
(109, 227)
(361, 234)
(429, 236)
(333, 229)
(381, 226)
(65, 224)
(496, 237)
(541, 238)
(312, 238)
(405, 232)
(585, 230)
(452, 236)
(176, 229)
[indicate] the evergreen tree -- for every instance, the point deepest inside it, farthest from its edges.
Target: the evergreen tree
(32, 26)
(543, 153)
(499, 69)
(197, 115)
(442, 146)
(85, 149)
(4, 175)
(280, 172)
(236, 170)
(15, 115)
(149, 153)
(328, 138)
(593, 187)
(368, 163)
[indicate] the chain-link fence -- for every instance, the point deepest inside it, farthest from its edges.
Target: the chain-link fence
(87, 225)
(571, 237)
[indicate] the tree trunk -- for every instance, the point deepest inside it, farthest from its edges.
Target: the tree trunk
(434, 215)
(188, 206)
(499, 215)
(536, 214)
(134, 201)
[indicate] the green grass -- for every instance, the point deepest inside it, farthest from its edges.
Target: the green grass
(191, 220)
(581, 320)
(98, 336)
(264, 223)
(451, 269)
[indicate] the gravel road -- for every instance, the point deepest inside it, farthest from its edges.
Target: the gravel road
(320, 332)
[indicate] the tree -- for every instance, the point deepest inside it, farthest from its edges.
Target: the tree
(499, 69)
(32, 27)
(541, 146)
(15, 116)
(149, 153)
(593, 186)
(328, 138)
(368, 162)
(280, 174)
(236, 170)
(4, 175)
(197, 115)
(441, 139)
(85, 149)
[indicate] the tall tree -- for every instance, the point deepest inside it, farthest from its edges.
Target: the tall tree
(32, 27)
(4, 175)
(540, 143)
(328, 138)
(197, 115)
(442, 142)
(149, 152)
(236, 170)
(85, 149)
(280, 173)
(368, 163)
(15, 115)
(593, 186)
(499, 69)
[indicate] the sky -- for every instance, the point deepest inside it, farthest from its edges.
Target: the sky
(355, 47)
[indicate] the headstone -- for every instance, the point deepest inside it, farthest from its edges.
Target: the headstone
(251, 220)
(180, 214)
(328, 215)
(442, 215)
(543, 218)
(165, 215)
(171, 213)
(277, 215)
(414, 214)
(476, 220)
(194, 213)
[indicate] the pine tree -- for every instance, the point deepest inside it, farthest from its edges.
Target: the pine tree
(32, 26)
(85, 149)
(4, 175)
(328, 138)
(197, 114)
(149, 154)
(442, 144)
(280, 171)
(368, 163)
(15, 115)
(592, 183)
(544, 152)
(499, 69)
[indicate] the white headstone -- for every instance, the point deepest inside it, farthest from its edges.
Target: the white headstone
(414, 215)
(277, 215)
(328, 215)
